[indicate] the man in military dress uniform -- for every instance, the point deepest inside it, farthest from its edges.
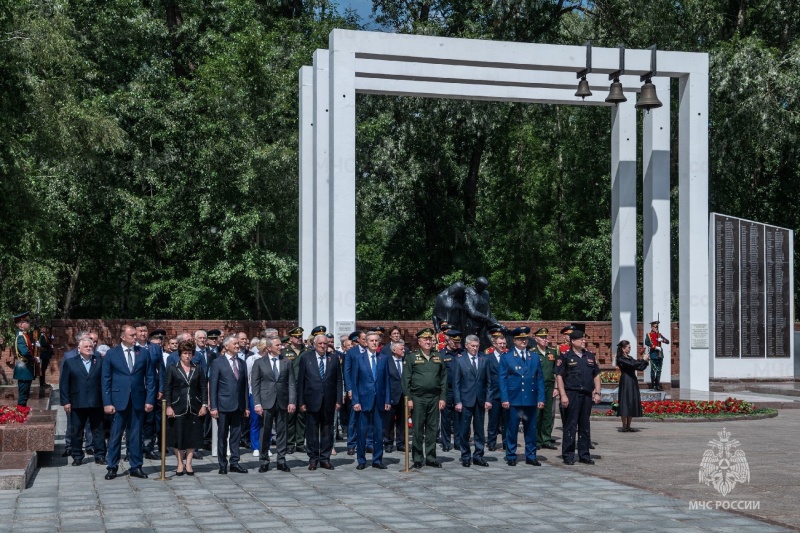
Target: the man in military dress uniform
(295, 422)
(653, 341)
(23, 367)
(425, 386)
(450, 418)
(578, 381)
(547, 358)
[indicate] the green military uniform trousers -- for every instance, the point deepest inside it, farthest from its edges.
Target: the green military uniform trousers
(546, 417)
(425, 418)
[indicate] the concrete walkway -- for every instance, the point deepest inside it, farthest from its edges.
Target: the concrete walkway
(644, 481)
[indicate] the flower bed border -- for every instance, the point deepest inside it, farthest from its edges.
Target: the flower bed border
(770, 413)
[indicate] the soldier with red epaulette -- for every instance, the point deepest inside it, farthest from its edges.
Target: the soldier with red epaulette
(24, 364)
(441, 337)
(653, 341)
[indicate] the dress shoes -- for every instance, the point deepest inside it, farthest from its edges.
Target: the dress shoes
(549, 447)
(369, 449)
(492, 448)
(198, 454)
(533, 462)
(284, 467)
(351, 451)
(100, 461)
(434, 464)
(153, 456)
(446, 448)
(569, 462)
(111, 473)
(416, 465)
(465, 464)
(511, 462)
(238, 469)
(591, 446)
(326, 465)
(480, 462)
(223, 471)
(380, 466)
(587, 461)
(264, 468)
(137, 472)
(182, 472)
(312, 466)
(301, 449)
(89, 451)
(401, 449)
(388, 448)
(77, 462)
(66, 453)
(290, 450)
(361, 466)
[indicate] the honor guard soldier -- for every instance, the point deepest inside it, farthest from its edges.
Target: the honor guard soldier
(213, 343)
(425, 386)
(296, 428)
(450, 418)
(578, 380)
(547, 358)
(24, 364)
(653, 342)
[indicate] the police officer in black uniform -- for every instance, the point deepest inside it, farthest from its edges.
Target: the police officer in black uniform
(449, 417)
(578, 381)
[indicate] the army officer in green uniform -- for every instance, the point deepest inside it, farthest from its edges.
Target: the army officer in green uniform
(547, 357)
(425, 386)
(23, 366)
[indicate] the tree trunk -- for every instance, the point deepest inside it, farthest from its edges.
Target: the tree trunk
(471, 186)
(73, 283)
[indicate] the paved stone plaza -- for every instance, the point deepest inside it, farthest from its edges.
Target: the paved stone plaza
(663, 456)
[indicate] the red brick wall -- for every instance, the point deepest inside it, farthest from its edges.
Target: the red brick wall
(599, 334)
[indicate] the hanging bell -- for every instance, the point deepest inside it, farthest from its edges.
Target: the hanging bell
(583, 88)
(615, 95)
(648, 99)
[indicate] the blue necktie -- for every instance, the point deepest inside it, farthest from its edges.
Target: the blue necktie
(321, 368)
(374, 374)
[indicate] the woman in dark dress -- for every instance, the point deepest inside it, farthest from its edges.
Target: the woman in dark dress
(630, 401)
(186, 394)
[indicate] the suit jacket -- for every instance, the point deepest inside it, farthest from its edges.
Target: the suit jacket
(69, 354)
(227, 393)
(122, 386)
(172, 359)
(521, 383)
(470, 387)
(351, 355)
(204, 363)
(185, 394)
(266, 391)
(371, 393)
(493, 369)
(395, 383)
(315, 393)
(79, 388)
(156, 362)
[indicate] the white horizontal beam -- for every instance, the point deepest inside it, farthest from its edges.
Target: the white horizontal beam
(502, 54)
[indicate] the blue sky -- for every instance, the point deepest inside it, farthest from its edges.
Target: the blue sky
(362, 7)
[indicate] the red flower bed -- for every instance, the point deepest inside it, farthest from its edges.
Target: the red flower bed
(13, 414)
(695, 408)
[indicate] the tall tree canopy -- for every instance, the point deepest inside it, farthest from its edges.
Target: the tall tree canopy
(148, 155)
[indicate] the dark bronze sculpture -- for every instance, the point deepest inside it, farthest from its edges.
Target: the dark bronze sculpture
(449, 307)
(479, 316)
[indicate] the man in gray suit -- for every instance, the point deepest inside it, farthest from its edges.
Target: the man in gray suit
(274, 396)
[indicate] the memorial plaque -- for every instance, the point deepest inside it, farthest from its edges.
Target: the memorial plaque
(778, 303)
(726, 286)
(753, 304)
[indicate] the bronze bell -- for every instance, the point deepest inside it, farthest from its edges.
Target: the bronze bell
(648, 99)
(615, 95)
(583, 88)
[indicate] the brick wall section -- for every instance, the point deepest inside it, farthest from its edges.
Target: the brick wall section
(64, 331)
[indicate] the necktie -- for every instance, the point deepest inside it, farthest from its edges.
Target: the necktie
(522, 354)
(475, 363)
(399, 367)
(274, 368)
(321, 367)
(205, 358)
(130, 360)
(235, 368)
(374, 374)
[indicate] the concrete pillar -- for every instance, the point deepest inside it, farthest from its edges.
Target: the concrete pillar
(693, 233)
(623, 222)
(656, 215)
(305, 306)
(321, 201)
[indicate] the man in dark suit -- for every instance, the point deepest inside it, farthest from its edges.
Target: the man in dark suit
(358, 348)
(394, 418)
(228, 402)
(81, 391)
(274, 397)
(522, 393)
(69, 354)
(470, 391)
(319, 386)
(129, 391)
(498, 417)
(203, 357)
(152, 420)
(370, 400)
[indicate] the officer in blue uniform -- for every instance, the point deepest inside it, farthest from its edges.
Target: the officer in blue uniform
(449, 417)
(522, 394)
(578, 381)
(23, 366)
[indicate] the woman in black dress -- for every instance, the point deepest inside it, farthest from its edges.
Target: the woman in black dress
(630, 401)
(186, 393)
